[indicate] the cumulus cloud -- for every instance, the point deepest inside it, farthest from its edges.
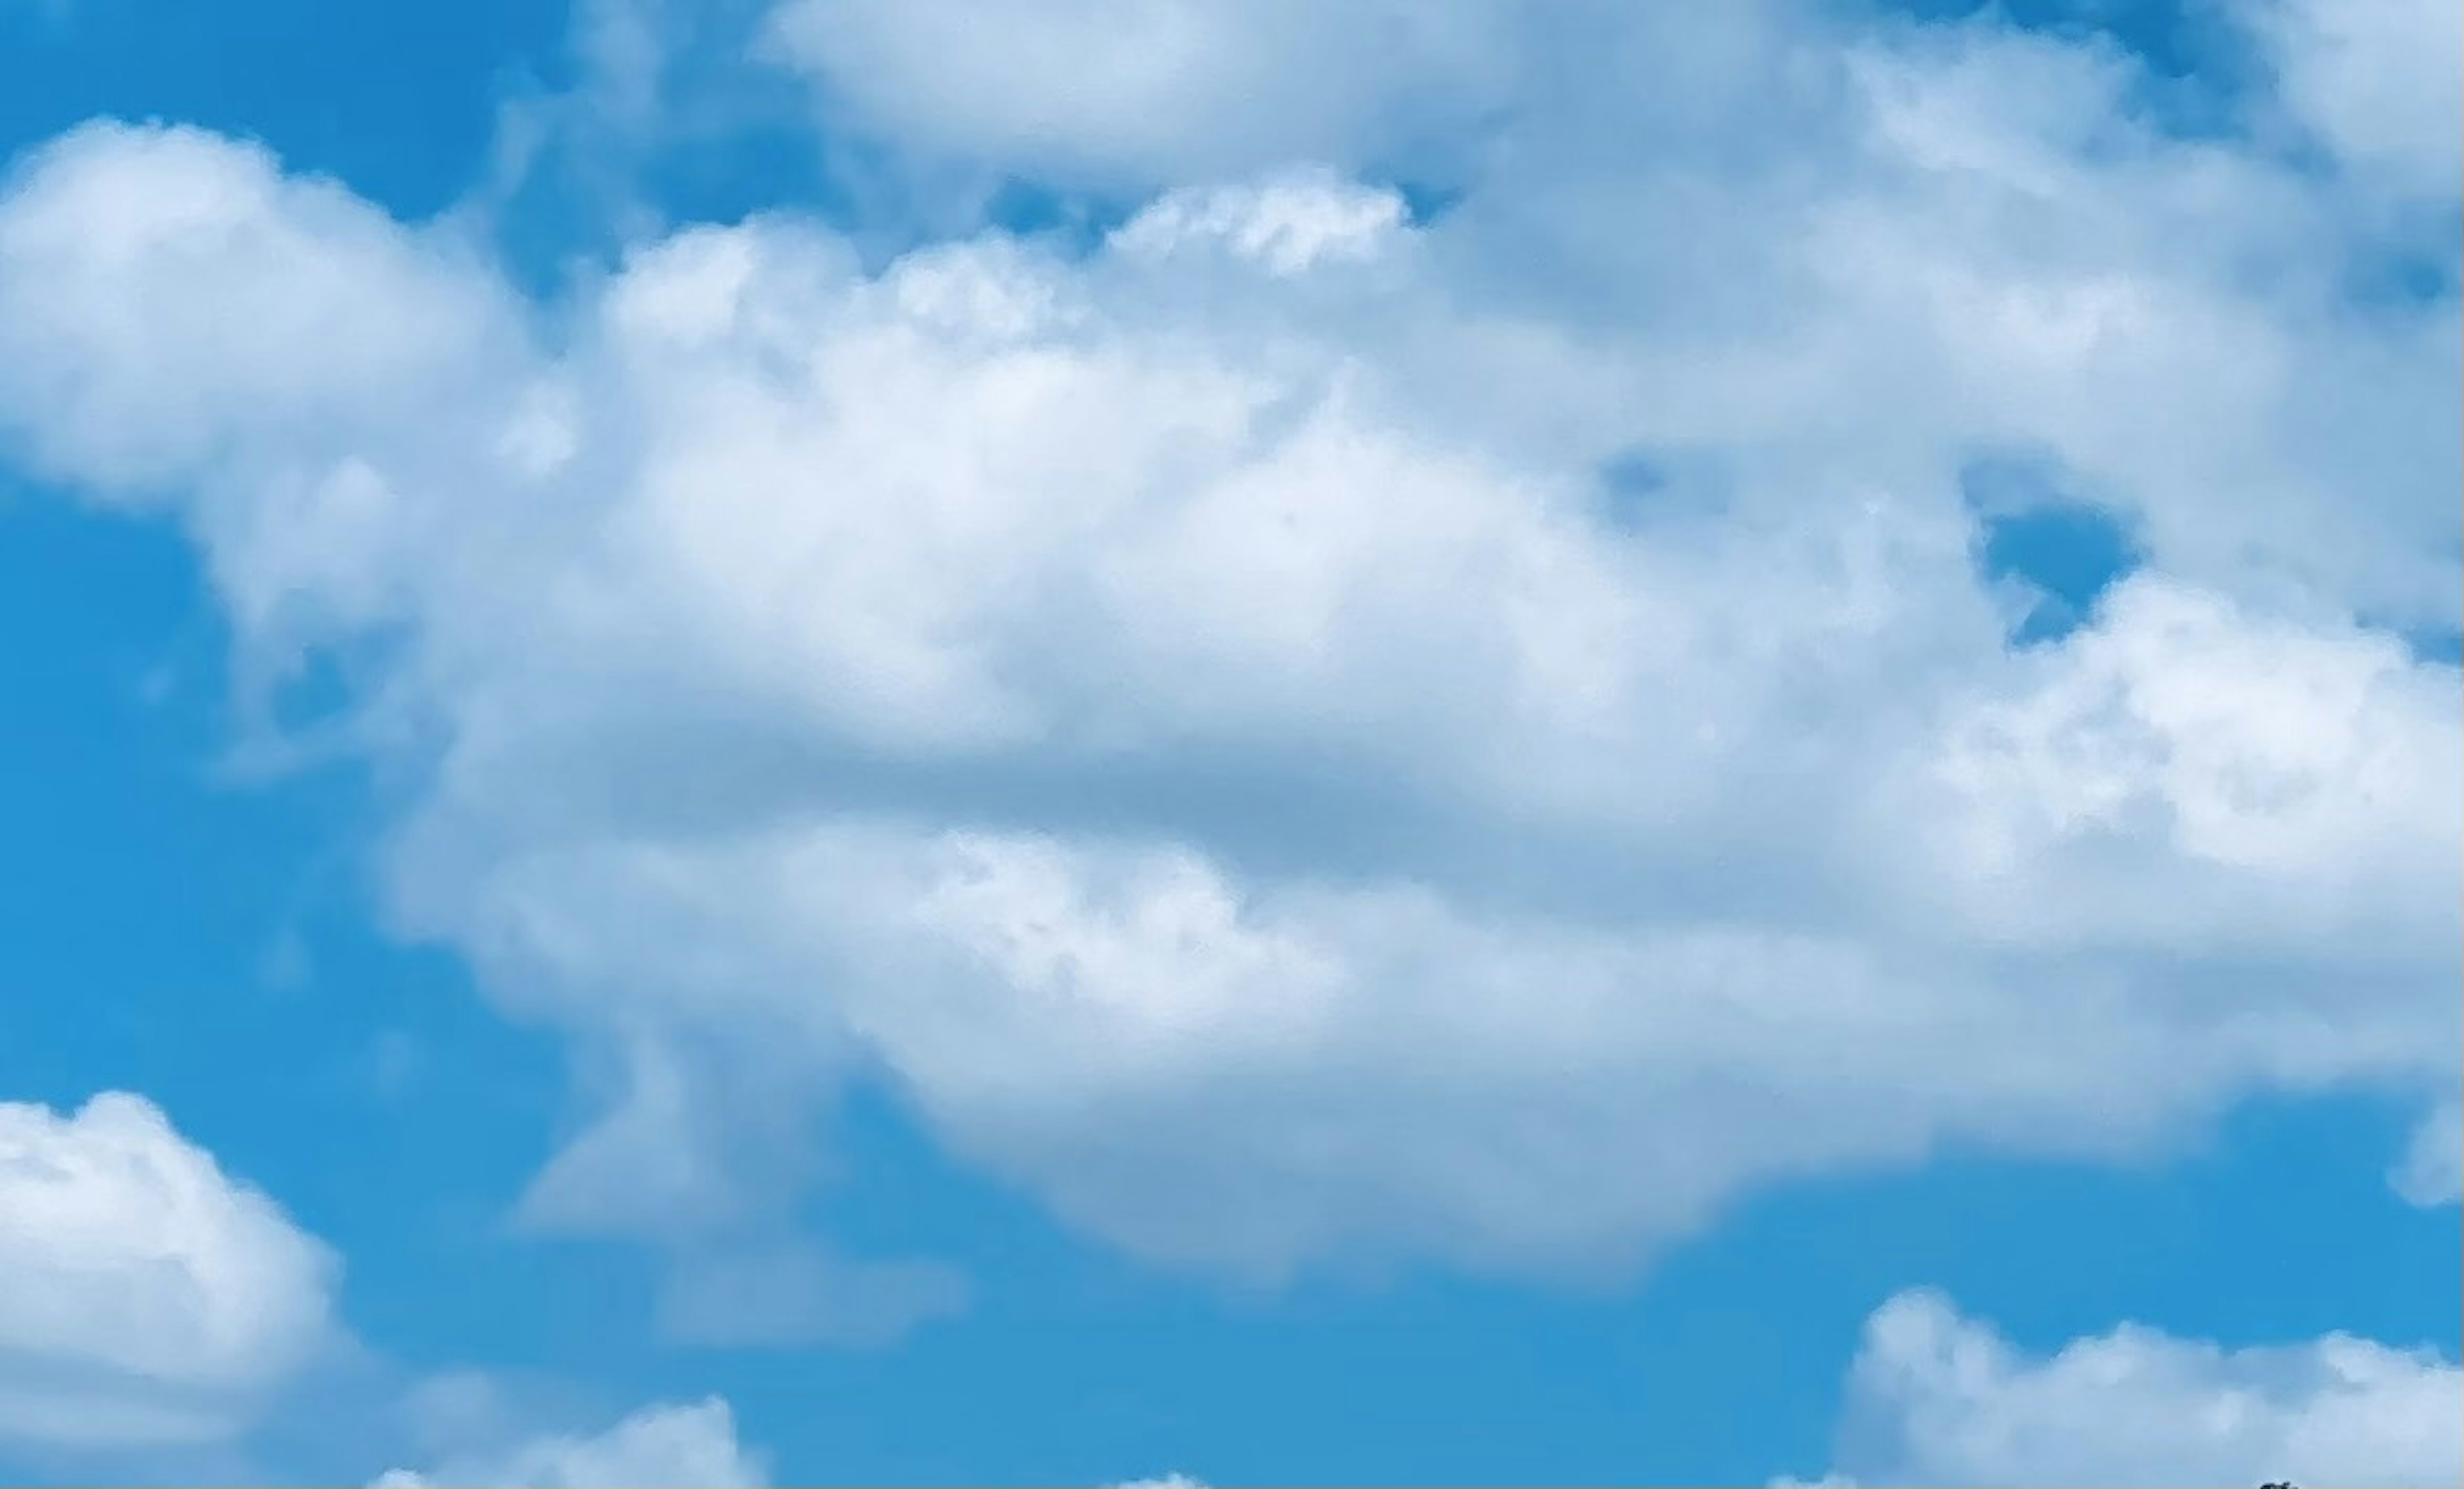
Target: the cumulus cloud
(146, 1298)
(1304, 728)
(1935, 1398)
(663, 1446)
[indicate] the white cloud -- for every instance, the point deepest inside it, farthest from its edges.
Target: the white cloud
(2432, 1170)
(1935, 1398)
(1150, 92)
(146, 1298)
(2369, 76)
(1197, 716)
(1158, 88)
(664, 1446)
(116, 233)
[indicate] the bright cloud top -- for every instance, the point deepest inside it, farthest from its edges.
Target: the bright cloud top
(150, 1299)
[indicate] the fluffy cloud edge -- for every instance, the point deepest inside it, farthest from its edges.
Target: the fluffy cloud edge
(152, 1298)
(1937, 1397)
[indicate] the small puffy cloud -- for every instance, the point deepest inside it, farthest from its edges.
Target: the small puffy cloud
(1936, 1399)
(663, 1446)
(2431, 1171)
(146, 1298)
(96, 215)
(1288, 223)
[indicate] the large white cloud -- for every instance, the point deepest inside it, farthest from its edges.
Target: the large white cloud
(146, 1298)
(1935, 1398)
(690, 1445)
(1202, 719)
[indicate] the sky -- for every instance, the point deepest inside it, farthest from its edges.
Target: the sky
(1231, 742)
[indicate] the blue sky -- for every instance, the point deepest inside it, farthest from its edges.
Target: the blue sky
(847, 742)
